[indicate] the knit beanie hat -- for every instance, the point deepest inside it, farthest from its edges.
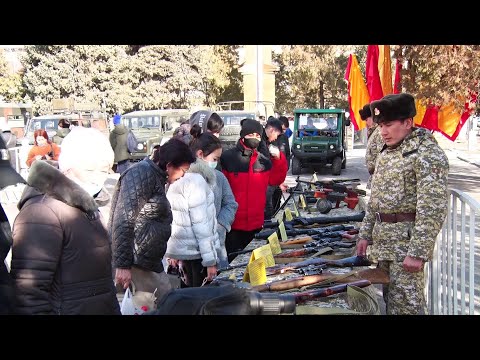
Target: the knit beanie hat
(250, 126)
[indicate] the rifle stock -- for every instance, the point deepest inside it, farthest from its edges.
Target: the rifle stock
(304, 296)
(375, 276)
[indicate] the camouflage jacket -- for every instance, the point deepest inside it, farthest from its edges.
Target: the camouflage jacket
(374, 145)
(412, 177)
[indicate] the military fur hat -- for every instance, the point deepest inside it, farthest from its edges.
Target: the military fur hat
(393, 107)
(365, 112)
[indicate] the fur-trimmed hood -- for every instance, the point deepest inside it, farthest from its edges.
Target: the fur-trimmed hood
(44, 178)
(201, 167)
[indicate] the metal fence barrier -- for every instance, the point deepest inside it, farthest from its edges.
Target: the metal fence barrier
(452, 278)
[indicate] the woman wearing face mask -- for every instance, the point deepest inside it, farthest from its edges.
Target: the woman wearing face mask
(203, 209)
(61, 255)
(249, 172)
(43, 148)
(140, 218)
(208, 148)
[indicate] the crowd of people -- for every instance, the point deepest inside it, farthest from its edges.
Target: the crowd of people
(192, 205)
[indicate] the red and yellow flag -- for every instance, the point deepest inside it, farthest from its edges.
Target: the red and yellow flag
(357, 92)
(374, 85)
(385, 68)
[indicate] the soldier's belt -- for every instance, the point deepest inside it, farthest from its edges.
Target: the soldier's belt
(395, 217)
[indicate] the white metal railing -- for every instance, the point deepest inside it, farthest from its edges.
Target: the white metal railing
(452, 277)
(17, 160)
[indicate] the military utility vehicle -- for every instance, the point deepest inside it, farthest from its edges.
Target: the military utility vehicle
(319, 139)
(153, 127)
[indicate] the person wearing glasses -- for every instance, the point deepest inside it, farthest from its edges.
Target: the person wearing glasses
(141, 217)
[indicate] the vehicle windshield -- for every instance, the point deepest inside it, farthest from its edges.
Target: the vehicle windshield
(141, 122)
(318, 121)
(52, 124)
(234, 119)
(167, 122)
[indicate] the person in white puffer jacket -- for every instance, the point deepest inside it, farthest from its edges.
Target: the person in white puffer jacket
(194, 242)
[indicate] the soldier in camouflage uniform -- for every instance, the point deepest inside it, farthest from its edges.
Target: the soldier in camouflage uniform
(374, 141)
(408, 203)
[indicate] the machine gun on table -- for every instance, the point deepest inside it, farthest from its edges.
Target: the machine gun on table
(345, 262)
(319, 220)
(328, 194)
(328, 231)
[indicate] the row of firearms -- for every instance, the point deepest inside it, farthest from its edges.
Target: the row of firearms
(301, 254)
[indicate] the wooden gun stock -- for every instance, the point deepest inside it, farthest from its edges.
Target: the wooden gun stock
(301, 297)
(375, 276)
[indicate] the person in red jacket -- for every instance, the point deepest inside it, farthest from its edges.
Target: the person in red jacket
(249, 172)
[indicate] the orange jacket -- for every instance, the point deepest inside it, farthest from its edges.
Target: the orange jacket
(42, 150)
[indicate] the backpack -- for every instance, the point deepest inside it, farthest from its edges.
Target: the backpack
(132, 142)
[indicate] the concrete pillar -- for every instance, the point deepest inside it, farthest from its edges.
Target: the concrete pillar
(259, 79)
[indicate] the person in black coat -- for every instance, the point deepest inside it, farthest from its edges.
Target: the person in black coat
(8, 176)
(141, 218)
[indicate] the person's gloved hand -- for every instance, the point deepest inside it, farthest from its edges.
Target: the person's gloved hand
(274, 151)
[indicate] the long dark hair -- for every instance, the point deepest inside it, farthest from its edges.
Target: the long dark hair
(206, 142)
(174, 152)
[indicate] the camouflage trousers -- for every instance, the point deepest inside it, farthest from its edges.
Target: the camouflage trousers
(405, 293)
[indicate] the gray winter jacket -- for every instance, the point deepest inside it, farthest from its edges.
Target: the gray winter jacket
(226, 208)
(194, 227)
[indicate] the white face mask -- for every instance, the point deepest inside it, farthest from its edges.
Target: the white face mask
(92, 183)
(211, 164)
(92, 189)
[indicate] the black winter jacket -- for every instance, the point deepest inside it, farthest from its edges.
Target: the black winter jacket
(140, 218)
(61, 255)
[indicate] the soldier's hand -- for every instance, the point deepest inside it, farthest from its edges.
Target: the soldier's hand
(362, 245)
(412, 264)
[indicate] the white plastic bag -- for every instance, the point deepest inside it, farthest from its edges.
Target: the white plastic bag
(137, 302)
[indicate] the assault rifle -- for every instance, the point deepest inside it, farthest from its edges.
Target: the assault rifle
(358, 217)
(282, 268)
(328, 231)
(341, 186)
(345, 262)
(313, 250)
(375, 276)
(304, 296)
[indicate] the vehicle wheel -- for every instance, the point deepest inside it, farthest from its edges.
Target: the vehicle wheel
(344, 162)
(337, 166)
(296, 166)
